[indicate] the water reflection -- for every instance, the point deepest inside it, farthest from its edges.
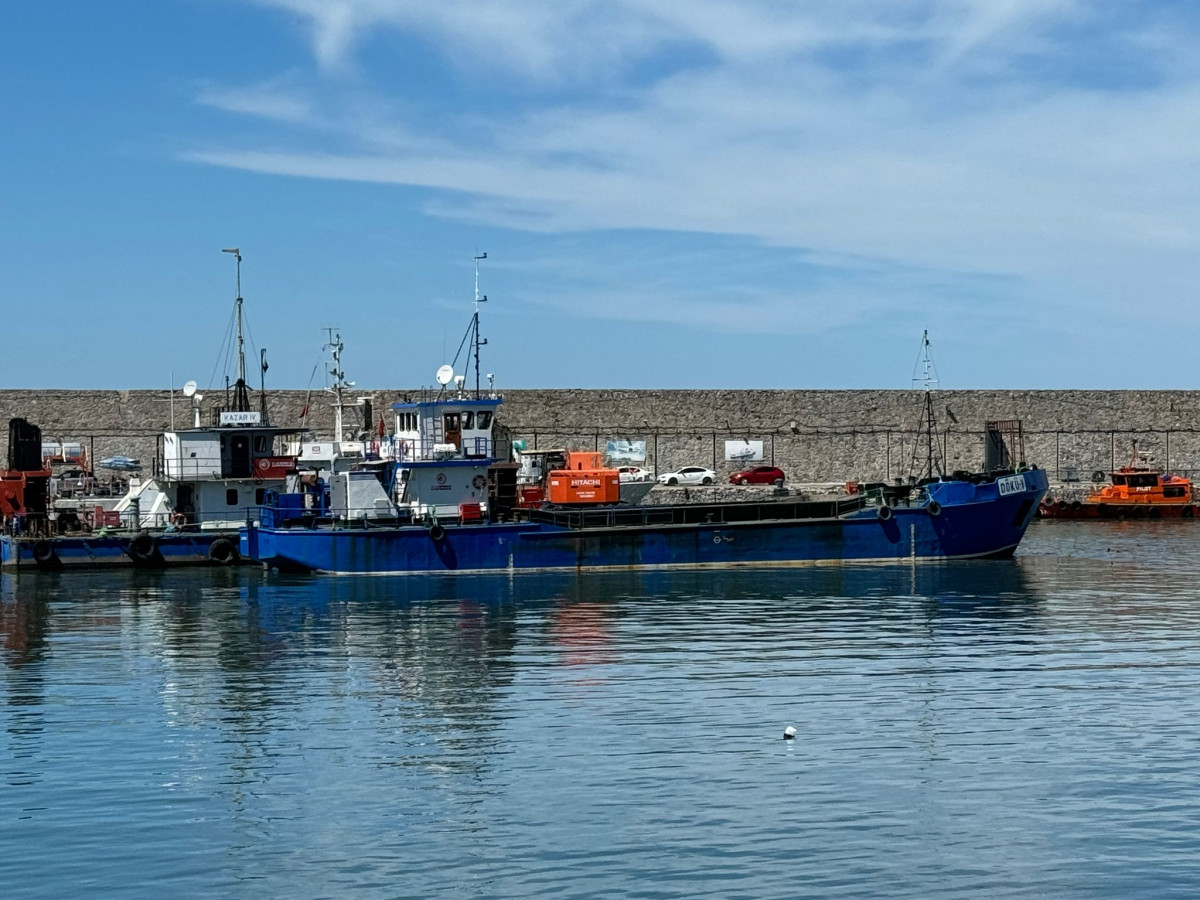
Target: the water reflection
(230, 732)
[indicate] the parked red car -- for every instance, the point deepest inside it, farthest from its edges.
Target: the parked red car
(758, 475)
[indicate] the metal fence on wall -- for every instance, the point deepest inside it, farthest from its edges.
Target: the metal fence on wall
(872, 453)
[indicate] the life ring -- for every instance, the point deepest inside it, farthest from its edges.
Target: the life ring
(142, 547)
(885, 513)
(933, 508)
(43, 553)
(436, 532)
(222, 551)
(478, 482)
(403, 449)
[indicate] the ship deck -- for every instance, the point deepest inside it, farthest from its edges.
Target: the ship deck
(694, 514)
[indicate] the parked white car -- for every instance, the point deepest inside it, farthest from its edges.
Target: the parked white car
(628, 474)
(689, 475)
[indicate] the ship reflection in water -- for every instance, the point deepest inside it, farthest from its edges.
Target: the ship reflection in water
(224, 732)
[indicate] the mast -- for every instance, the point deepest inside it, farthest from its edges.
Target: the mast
(241, 393)
(339, 379)
(928, 424)
(477, 342)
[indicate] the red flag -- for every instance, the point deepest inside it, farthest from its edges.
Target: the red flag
(381, 426)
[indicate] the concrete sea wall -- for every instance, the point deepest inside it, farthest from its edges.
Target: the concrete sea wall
(815, 436)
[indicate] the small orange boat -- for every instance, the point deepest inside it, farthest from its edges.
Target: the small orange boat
(1137, 491)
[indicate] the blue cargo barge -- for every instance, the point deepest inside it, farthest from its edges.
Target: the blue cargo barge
(942, 520)
(148, 550)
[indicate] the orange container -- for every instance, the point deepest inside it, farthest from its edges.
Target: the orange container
(578, 486)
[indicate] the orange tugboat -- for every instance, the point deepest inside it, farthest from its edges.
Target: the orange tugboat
(1137, 492)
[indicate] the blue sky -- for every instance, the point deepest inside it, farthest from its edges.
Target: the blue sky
(671, 193)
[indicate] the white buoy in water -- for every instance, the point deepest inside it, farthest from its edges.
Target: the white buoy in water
(789, 733)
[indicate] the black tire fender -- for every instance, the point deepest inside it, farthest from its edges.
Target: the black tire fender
(43, 553)
(142, 546)
(1188, 512)
(222, 551)
(436, 532)
(933, 508)
(885, 513)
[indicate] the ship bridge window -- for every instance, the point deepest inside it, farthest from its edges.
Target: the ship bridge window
(468, 419)
(1118, 479)
(1177, 491)
(231, 497)
(1143, 480)
(485, 420)
(406, 421)
(262, 443)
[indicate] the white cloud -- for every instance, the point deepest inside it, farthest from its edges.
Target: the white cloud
(966, 136)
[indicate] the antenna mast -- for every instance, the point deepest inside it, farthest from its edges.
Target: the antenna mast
(241, 394)
(928, 380)
(339, 378)
(475, 321)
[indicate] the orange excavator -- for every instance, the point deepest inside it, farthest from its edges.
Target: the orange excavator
(572, 478)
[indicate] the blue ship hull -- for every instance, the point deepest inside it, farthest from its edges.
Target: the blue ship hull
(143, 550)
(962, 520)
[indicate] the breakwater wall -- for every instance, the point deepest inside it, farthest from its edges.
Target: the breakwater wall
(815, 436)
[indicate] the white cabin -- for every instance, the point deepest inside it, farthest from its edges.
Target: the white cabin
(443, 448)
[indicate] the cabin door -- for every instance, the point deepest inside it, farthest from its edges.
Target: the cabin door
(240, 464)
(185, 502)
(453, 423)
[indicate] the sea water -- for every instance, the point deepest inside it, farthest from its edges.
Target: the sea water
(993, 729)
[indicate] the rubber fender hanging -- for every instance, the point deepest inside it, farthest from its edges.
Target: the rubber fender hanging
(934, 508)
(222, 551)
(1188, 512)
(1076, 505)
(141, 547)
(436, 531)
(43, 553)
(1098, 476)
(885, 513)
